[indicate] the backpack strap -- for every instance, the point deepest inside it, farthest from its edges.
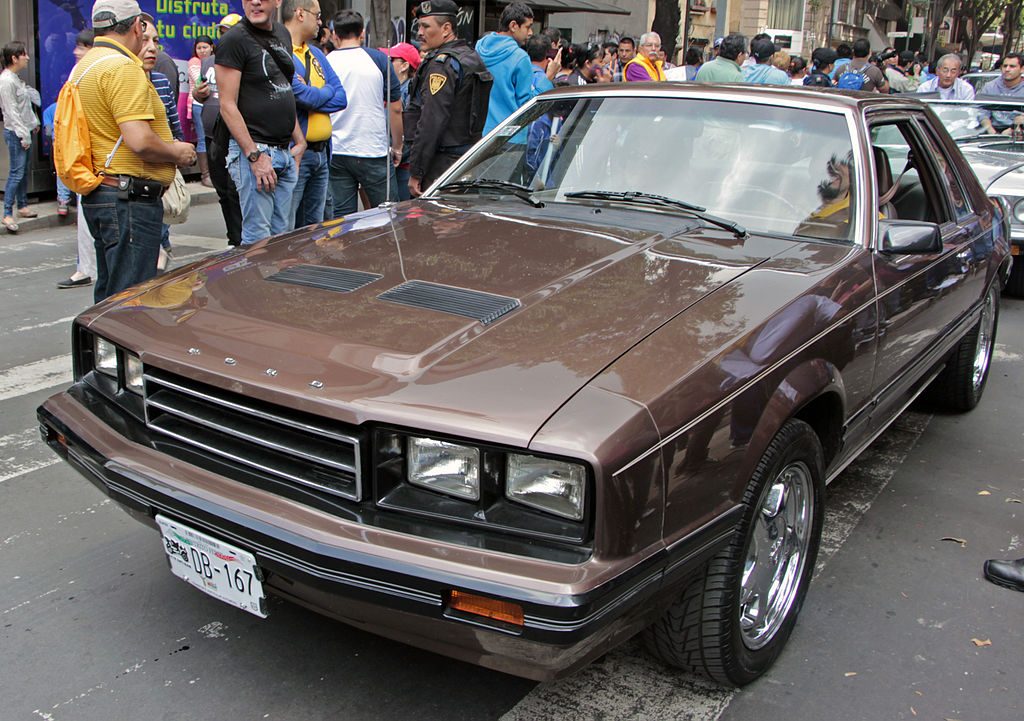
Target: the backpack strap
(120, 138)
(97, 62)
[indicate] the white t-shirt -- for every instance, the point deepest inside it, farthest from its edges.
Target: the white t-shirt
(361, 129)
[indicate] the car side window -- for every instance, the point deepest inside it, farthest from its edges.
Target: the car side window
(948, 179)
(907, 188)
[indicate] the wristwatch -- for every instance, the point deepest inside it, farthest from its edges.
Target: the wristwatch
(253, 156)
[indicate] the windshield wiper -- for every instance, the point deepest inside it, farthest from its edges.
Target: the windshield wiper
(636, 196)
(520, 191)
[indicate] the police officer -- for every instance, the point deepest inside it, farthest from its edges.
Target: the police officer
(447, 98)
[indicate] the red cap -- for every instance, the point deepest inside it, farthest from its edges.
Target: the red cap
(406, 52)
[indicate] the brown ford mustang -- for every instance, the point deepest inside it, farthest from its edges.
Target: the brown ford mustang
(593, 383)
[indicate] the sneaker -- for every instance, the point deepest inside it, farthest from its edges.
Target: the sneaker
(62, 207)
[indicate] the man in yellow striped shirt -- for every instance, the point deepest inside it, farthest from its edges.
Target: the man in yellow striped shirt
(131, 145)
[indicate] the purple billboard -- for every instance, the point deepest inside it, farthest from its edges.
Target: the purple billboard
(179, 23)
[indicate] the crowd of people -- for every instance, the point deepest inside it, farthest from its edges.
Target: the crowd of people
(297, 120)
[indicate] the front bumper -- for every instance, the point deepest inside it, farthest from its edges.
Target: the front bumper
(572, 612)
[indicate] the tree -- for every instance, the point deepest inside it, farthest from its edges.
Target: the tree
(936, 12)
(380, 23)
(984, 15)
(1012, 25)
(666, 24)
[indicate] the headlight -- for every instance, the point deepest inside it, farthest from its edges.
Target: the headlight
(133, 373)
(106, 357)
(553, 486)
(445, 467)
(1018, 211)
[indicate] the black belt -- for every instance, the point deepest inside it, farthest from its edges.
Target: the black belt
(319, 146)
(134, 188)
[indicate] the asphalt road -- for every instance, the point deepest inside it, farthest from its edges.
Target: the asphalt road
(94, 626)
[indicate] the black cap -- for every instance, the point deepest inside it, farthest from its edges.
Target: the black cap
(436, 7)
(823, 57)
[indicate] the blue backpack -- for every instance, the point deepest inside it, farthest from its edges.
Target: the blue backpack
(852, 79)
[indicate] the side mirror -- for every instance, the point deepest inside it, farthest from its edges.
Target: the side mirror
(909, 237)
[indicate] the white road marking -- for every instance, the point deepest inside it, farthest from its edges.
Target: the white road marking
(24, 468)
(47, 324)
(61, 518)
(1002, 352)
(39, 267)
(44, 243)
(36, 376)
(629, 684)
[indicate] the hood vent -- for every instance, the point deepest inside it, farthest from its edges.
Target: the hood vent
(340, 280)
(483, 307)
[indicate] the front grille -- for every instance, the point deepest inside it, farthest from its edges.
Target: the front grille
(261, 436)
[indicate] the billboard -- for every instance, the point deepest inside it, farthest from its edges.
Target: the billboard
(179, 23)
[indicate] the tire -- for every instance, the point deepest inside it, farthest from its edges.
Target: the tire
(961, 383)
(717, 627)
(1015, 283)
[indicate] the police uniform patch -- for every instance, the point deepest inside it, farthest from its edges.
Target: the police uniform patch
(437, 81)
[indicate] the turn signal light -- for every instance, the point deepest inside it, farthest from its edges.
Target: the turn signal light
(487, 607)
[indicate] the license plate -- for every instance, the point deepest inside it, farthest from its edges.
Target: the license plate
(213, 566)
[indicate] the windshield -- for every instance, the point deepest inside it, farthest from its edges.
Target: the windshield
(966, 119)
(770, 169)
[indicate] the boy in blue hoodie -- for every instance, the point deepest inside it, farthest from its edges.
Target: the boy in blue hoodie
(506, 60)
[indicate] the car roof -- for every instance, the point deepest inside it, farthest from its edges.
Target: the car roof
(833, 99)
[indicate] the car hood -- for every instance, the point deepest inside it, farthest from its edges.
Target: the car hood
(1000, 173)
(589, 283)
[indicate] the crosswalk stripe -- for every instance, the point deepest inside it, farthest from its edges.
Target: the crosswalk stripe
(31, 377)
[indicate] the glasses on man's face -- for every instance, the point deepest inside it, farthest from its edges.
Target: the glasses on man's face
(653, 46)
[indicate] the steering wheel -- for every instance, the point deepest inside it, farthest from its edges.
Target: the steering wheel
(774, 196)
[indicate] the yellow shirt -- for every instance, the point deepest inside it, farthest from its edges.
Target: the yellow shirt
(319, 125)
(115, 92)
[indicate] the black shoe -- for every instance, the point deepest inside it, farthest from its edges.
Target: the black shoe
(68, 283)
(1008, 574)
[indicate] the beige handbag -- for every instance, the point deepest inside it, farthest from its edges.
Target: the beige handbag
(177, 200)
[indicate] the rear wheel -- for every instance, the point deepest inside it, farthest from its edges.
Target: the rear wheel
(961, 383)
(732, 621)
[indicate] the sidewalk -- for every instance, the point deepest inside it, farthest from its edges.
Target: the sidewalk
(48, 217)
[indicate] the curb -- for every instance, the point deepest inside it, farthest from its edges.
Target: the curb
(48, 217)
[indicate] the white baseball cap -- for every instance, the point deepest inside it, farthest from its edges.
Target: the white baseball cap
(108, 13)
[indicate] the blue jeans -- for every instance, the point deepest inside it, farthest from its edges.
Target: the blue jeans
(197, 122)
(310, 196)
(348, 172)
(127, 236)
(17, 177)
(63, 191)
(264, 213)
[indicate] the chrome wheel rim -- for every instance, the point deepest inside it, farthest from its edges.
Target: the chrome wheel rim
(983, 349)
(779, 540)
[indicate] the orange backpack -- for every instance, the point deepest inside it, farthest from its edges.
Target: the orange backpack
(72, 146)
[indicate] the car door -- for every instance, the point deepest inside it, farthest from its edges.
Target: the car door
(921, 297)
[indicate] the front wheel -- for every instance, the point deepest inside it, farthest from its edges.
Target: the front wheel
(733, 620)
(961, 383)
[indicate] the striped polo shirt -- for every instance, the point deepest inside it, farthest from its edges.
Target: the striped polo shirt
(117, 91)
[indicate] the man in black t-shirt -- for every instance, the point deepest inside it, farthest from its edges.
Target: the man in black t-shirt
(254, 76)
(205, 92)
